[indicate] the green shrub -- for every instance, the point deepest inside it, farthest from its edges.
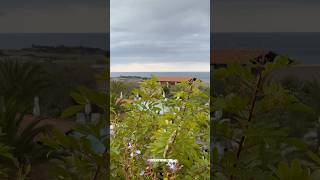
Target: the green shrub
(165, 128)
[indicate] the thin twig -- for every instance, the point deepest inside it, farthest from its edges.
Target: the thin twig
(253, 103)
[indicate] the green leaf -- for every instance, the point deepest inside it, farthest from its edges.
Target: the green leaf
(279, 62)
(295, 172)
(71, 111)
(313, 157)
(297, 143)
(79, 98)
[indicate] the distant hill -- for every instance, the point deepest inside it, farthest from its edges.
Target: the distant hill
(57, 54)
(67, 49)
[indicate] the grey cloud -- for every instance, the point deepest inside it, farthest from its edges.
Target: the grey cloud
(160, 16)
(265, 16)
(49, 3)
(153, 48)
(55, 16)
(149, 31)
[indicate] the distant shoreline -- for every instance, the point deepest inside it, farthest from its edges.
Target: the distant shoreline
(23, 40)
(204, 76)
(95, 58)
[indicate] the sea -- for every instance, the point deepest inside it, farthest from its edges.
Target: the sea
(304, 46)
(301, 46)
(26, 40)
(204, 76)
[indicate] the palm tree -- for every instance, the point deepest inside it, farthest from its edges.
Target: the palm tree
(118, 87)
(119, 91)
(22, 136)
(21, 81)
(19, 84)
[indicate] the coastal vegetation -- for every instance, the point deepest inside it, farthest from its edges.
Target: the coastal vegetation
(34, 143)
(19, 84)
(154, 126)
(260, 125)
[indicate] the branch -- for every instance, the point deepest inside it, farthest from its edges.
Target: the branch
(171, 141)
(253, 103)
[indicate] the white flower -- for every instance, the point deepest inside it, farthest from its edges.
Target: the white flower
(138, 152)
(131, 154)
(111, 129)
(130, 146)
(142, 173)
(172, 164)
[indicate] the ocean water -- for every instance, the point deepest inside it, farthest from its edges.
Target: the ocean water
(25, 40)
(304, 47)
(204, 76)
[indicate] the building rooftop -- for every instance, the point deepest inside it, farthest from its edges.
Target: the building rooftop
(242, 56)
(174, 78)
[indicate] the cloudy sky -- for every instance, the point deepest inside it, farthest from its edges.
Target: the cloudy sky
(54, 16)
(160, 35)
(266, 16)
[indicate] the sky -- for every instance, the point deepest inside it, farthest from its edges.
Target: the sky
(265, 16)
(54, 16)
(160, 35)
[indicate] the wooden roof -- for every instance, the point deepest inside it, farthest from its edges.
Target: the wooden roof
(174, 78)
(242, 56)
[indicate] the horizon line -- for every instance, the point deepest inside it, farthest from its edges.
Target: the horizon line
(158, 71)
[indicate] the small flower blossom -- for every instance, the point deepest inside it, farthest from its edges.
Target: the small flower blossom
(142, 173)
(172, 164)
(130, 146)
(138, 152)
(131, 154)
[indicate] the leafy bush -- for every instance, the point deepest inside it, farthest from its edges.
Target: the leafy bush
(21, 81)
(166, 128)
(254, 125)
(83, 154)
(4, 155)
